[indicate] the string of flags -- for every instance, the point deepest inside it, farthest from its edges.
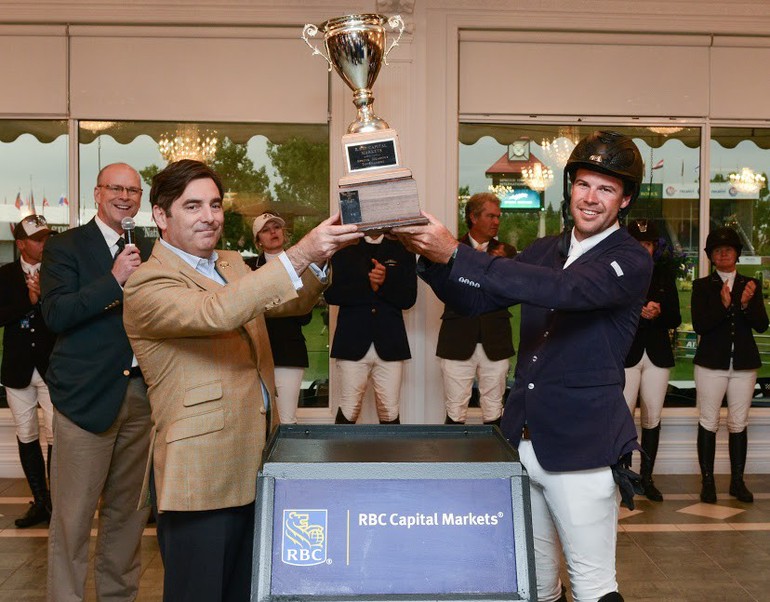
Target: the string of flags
(30, 202)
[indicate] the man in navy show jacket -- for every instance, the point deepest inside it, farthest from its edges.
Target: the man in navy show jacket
(581, 296)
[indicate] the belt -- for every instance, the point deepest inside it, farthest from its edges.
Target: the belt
(525, 433)
(135, 372)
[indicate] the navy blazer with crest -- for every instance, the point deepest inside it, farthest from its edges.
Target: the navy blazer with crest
(577, 325)
(83, 303)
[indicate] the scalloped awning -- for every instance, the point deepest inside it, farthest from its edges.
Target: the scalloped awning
(505, 134)
(125, 132)
(470, 133)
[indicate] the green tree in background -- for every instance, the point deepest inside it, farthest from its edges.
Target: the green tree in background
(520, 229)
(761, 235)
(237, 171)
(302, 170)
(148, 173)
(236, 233)
(235, 168)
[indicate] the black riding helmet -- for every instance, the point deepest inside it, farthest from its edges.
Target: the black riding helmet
(723, 237)
(610, 153)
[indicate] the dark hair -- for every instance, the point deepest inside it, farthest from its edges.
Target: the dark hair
(475, 205)
(169, 184)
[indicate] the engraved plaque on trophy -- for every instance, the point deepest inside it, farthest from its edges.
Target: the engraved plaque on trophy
(377, 192)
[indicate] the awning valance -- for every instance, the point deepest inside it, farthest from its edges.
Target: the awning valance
(125, 132)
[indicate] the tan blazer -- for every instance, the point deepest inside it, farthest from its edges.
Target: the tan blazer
(202, 348)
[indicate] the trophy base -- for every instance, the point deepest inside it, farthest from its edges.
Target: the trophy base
(380, 206)
(375, 227)
(397, 173)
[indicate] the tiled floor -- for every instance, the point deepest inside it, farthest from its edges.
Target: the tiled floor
(679, 550)
(682, 550)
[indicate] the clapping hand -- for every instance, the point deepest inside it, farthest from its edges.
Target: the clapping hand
(725, 294)
(377, 275)
(748, 293)
(33, 287)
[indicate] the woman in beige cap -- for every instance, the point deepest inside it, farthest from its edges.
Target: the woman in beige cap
(286, 338)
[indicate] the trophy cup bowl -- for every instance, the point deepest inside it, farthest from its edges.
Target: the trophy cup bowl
(377, 192)
(355, 47)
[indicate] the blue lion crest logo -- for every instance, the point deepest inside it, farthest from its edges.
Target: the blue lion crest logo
(304, 537)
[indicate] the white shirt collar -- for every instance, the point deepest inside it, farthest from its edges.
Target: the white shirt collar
(579, 247)
(206, 266)
(29, 268)
(479, 246)
(110, 236)
(728, 277)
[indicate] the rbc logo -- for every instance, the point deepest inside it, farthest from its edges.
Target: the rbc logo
(304, 537)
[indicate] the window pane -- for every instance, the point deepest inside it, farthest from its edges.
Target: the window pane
(33, 177)
(740, 199)
(279, 168)
(670, 198)
(524, 166)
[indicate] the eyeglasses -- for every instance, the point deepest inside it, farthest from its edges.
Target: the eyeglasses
(115, 189)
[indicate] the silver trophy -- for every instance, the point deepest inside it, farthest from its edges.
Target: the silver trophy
(355, 47)
(376, 192)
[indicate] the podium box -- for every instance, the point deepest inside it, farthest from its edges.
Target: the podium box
(392, 513)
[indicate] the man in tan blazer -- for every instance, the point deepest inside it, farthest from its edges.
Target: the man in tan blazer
(194, 317)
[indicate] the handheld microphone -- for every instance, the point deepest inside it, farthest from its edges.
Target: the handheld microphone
(128, 224)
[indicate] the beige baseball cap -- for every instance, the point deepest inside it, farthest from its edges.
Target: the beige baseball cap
(262, 220)
(33, 226)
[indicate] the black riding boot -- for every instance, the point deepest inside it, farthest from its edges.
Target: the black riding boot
(707, 442)
(396, 420)
(650, 438)
(448, 420)
(340, 418)
(738, 445)
(34, 469)
(611, 597)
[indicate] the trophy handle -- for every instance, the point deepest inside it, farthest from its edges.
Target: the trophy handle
(394, 22)
(311, 30)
